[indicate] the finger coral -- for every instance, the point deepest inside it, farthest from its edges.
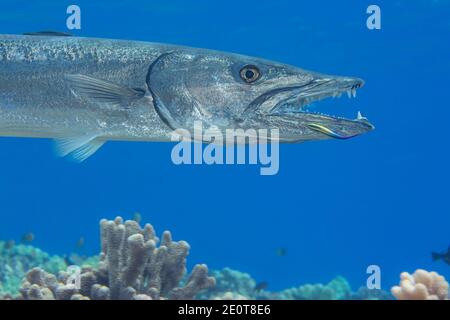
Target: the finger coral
(132, 267)
(421, 285)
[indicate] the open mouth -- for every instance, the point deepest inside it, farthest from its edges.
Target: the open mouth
(295, 102)
(300, 98)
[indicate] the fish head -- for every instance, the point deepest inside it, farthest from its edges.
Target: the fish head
(232, 91)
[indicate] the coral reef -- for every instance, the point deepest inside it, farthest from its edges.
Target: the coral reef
(336, 289)
(230, 295)
(236, 285)
(82, 261)
(231, 285)
(364, 293)
(134, 264)
(131, 267)
(17, 259)
(421, 285)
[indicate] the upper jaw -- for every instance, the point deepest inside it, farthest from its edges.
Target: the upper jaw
(300, 97)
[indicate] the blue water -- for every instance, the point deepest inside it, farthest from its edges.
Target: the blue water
(336, 206)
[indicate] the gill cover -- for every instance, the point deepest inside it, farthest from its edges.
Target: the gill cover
(194, 85)
(167, 83)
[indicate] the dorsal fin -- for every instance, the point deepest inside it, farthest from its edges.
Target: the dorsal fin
(48, 33)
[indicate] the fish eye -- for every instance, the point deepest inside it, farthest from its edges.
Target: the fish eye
(250, 74)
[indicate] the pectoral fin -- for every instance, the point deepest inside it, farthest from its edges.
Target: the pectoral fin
(78, 148)
(104, 91)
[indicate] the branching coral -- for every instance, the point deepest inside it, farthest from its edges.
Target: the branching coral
(421, 285)
(131, 267)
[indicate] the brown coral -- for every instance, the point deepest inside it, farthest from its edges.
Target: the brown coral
(131, 267)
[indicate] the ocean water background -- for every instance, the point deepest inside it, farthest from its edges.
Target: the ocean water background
(336, 206)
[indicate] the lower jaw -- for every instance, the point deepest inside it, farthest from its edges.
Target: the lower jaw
(328, 125)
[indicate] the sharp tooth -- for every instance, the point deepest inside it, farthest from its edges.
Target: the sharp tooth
(354, 93)
(349, 93)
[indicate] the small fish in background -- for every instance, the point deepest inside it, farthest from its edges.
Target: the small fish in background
(261, 286)
(28, 238)
(68, 260)
(281, 252)
(441, 256)
(137, 217)
(9, 244)
(80, 243)
(74, 259)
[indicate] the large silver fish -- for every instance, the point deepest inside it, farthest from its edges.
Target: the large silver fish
(83, 92)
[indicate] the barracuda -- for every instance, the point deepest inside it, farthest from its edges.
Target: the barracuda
(83, 92)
